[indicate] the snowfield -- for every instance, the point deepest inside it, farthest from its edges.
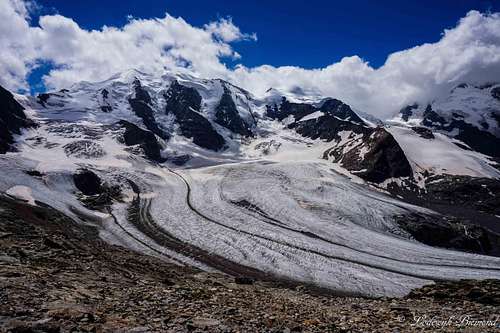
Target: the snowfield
(441, 156)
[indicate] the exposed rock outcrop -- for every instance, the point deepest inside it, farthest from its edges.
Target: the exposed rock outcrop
(481, 193)
(286, 108)
(407, 111)
(469, 115)
(481, 141)
(146, 140)
(105, 106)
(423, 132)
(375, 156)
(327, 127)
(87, 182)
(495, 92)
(340, 110)
(450, 233)
(185, 103)
(12, 120)
(97, 195)
(226, 114)
(371, 153)
(141, 106)
(469, 206)
(329, 106)
(478, 139)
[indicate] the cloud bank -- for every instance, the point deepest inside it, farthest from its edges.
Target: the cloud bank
(470, 52)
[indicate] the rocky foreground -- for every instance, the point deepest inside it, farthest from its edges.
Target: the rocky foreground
(56, 276)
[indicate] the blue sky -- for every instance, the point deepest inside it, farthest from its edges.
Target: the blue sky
(323, 48)
(309, 34)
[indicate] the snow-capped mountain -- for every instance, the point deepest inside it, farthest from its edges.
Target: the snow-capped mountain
(470, 114)
(200, 172)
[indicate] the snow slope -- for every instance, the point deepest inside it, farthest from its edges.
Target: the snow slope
(441, 156)
(474, 105)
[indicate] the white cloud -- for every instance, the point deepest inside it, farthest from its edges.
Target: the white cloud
(227, 31)
(151, 45)
(16, 43)
(468, 52)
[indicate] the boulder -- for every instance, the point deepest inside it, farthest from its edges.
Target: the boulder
(244, 280)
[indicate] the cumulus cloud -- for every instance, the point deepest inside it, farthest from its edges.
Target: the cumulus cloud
(227, 31)
(469, 52)
(152, 45)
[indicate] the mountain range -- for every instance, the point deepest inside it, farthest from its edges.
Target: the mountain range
(199, 172)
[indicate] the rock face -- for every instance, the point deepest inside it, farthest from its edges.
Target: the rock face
(185, 103)
(423, 132)
(141, 106)
(134, 135)
(468, 113)
(87, 182)
(469, 208)
(330, 106)
(478, 139)
(450, 233)
(407, 111)
(340, 110)
(227, 115)
(376, 157)
(495, 92)
(97, 195)
(286, 108)
(105, 106)
(371, 153)
(12, 120)
(481, 141)
(326, 127)
(481, 193)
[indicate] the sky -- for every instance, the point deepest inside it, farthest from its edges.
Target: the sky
(377, 56)
(292, 33)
